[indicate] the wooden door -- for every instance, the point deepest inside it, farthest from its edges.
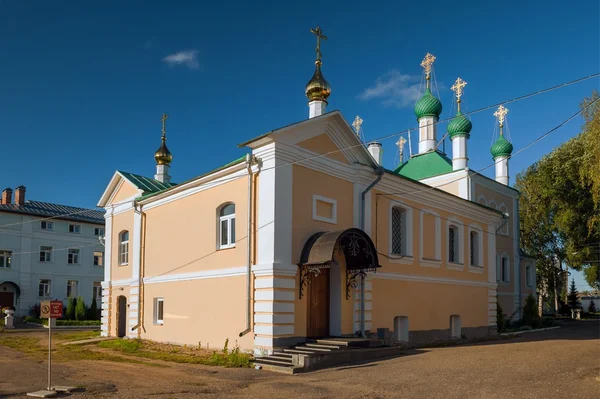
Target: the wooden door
(121, 316)
(6, 299)
(318, 305)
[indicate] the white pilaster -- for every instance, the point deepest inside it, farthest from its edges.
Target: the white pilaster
(492, 264)
(459, 153)
(502, 170)
(162, 173)
(427, 133)
(106, 284)
(316, 108)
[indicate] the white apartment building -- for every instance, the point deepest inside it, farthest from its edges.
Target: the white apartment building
(48, 252)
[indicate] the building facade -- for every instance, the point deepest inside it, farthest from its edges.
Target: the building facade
(48, 252)
(308, 235)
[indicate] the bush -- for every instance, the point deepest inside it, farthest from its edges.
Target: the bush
(530, 312)
(77, 322)
(93, 310)
(34, 310)
(592, 307)
(80, 309)
(70, 312)
(499, 317)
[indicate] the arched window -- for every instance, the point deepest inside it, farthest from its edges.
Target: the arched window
(124, 247)
(227, 226)
(399, 231)
(474, 246)
(504, 269)
(453, 244)
(504, 228)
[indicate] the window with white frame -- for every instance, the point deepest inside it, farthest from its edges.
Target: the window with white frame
(97, 291)
(75, 228)
(158, 310)
(45, 253)
(453, 244)
(474, 248)
(73, 256)
(98, 258)
(504, 226)
(44, 225)
(5, 259)
(399, 231)
(44, 287)
(227, 226)
(99, 231)
(124, 247)
(504, 269)
(529, 276)
(71, 288)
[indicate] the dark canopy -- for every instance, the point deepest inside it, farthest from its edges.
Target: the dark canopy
(15, 285)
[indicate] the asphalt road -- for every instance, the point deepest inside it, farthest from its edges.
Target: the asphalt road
(562, 363)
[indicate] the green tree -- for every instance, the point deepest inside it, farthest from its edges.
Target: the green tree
(530, 312)
(592, 307)
(499, 317)
(80, 309)
(70, 312)
(93, 310)
(573, 298)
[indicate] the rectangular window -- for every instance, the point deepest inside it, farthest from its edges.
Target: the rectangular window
(44, 288)
(158, 310)
(5, 259)
(73, 257)
(71, 288)
(474, 248)
(45, 254)
(504, 269)
(99, 231)
(227, 227)
(98, 258)
(398, 238)
(75, 228)
(97, 291)
(44, 225)
(452, 245)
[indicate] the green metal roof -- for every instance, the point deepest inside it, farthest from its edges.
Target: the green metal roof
(146, 184)
(501, 147)
(459, 126)
(425, 165)
(428, 105)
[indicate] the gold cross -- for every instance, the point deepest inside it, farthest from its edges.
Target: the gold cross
(427, 63)
(319, 33)
(357, 124)
(458, 88)
(500, 114)
(400, 143)
(163, 119)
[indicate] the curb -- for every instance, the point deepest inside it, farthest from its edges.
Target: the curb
(528, 331)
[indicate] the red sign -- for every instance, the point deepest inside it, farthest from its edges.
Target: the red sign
(56, 309)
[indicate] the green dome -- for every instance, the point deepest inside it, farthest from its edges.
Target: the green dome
(459, 126)
(501, 147)
(428, 105)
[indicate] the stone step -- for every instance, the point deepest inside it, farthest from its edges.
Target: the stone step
(314, 348)
(278, 353)
(313, 345)
(300, 351)
(284, 357)
(350, 342)
(280, 369)
(274, 362)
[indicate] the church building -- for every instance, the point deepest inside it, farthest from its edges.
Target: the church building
(308, 235)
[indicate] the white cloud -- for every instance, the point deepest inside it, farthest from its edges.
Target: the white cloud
(394, 88)
(188, 58)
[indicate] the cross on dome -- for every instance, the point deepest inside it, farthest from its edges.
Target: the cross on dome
(357, 124)
(500, 114)
(427, 63)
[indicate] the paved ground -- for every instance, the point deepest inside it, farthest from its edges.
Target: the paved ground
(563, 363)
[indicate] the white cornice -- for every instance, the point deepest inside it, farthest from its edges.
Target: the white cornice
(427, 279)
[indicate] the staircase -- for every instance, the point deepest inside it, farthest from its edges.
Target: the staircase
(318, 353)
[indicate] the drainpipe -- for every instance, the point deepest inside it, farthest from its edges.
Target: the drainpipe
(249, 161)
(379, 171)
(140, 273)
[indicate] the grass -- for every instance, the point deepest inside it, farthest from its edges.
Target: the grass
(59, 322)
(178, 354)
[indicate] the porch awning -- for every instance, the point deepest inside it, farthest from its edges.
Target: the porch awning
(15, 285)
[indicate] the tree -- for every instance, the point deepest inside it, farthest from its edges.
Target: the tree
(573, 298)
(530, 312)
(80, 309)
(70, 312)
(93, 311)
(592, 307)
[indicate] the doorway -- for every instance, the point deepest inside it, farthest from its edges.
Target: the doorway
(121, 315)
(318, 305)
(7, 299)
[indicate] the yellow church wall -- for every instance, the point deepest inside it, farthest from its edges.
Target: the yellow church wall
(322, 144)
(188, 228)
(126, 191)
(218, 302)
(428, 306)
(306, 183)
(429, 234)
(121, 222)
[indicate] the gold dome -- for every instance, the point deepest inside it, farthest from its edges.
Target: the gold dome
(317, 88)
(163, 155)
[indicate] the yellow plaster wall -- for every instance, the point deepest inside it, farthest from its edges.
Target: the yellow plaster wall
(429, 241)
(121, 222)
(322, 144)
(124, 192)
(182, 236)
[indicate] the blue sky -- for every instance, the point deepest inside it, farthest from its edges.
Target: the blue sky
(84, 83)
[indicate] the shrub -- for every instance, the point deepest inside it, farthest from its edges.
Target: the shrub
(592, 307)
(530, 312)
(34, 311)
(80, 309)
(93, 311)
(499, 317)
(70, 312)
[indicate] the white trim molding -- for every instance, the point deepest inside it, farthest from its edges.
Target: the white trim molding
(437, 280)
(479, 261)
(316, 198)
(205, 274)
(407, 232)
(459, 263)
